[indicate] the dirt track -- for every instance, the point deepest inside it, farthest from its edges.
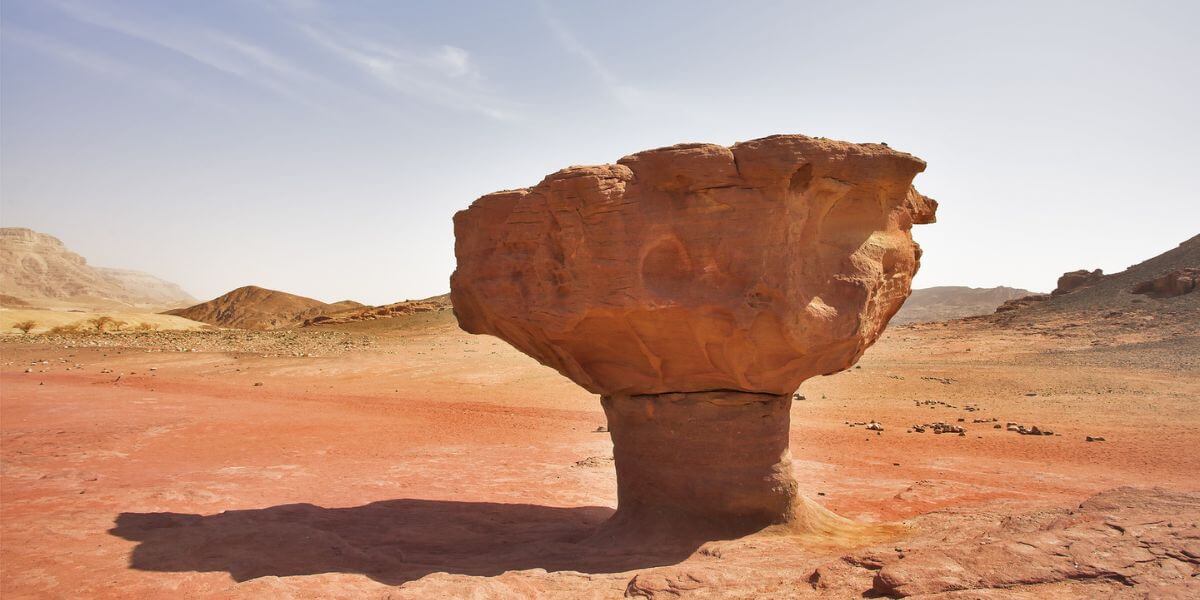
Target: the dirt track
(432, 451)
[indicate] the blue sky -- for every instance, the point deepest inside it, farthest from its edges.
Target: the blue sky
(322, 147)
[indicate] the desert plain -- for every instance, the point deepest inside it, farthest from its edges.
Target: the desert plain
(404, 458)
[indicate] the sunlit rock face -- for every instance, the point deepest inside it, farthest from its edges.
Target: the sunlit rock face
(697, 267)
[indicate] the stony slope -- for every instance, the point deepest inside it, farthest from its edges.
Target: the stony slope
(39, 269)
(1110, 299)
(944, 303)
(253, 307)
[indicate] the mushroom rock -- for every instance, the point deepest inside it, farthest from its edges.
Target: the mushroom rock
(694, 288)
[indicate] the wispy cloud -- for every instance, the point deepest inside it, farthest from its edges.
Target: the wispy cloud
(445, 75)
(219, 51)
(442, 75)
(626, 94)
(108, 67)
(64, 52)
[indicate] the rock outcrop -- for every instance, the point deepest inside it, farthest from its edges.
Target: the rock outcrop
(695, 287)
(1022, 302)
(1143, 543)
(386, 311)
(35, 267)
(1073, 280)
(1169, 285)
(253, 307)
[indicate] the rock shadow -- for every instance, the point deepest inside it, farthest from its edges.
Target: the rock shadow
(391, 541)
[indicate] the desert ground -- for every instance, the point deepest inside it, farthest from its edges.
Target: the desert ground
(404, 458)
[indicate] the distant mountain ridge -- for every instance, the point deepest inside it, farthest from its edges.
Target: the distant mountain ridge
(944, 303)
(38, 268)
(253, 307)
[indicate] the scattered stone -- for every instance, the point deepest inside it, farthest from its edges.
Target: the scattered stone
(939, 428)
(1023, 430)
(594, 461)
(1094, 438)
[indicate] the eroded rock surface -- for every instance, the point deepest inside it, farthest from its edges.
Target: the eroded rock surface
(1169, 285)
(1073, 280)
(697, 267)
(1125, 542)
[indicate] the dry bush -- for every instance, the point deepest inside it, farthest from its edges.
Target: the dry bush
(71, 329)
(25, 326)
(105, 323)
(144, 326)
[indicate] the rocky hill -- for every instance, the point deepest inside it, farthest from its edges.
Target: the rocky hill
(1157, 291)
(945, 303)
(386, 311)
(253, 307)
(38, 269)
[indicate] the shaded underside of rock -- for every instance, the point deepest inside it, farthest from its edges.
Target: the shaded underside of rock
(697, 267)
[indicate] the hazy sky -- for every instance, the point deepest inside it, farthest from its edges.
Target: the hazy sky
(322, 147)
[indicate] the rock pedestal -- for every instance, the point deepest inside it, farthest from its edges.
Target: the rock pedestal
(716, 456)
(694, 288)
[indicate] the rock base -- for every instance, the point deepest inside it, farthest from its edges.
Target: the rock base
(704, 466)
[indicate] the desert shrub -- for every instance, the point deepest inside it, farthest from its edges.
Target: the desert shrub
(103, 323)
(144, 326)
(25, 326)
(70, 329)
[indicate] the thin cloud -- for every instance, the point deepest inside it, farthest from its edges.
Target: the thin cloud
(624, 93)
(108, 67)
(218, 51)
(454, 61)
(88, 60)
(444, 76)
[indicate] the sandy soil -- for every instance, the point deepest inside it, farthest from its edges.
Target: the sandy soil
(419, 461)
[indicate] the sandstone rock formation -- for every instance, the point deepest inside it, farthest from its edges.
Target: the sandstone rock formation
(36, 267)
(1143, 543)
(695, 287)
(1169, 285)
(253, 307)
(1073, 280)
